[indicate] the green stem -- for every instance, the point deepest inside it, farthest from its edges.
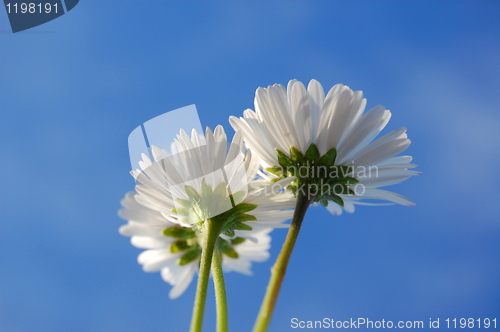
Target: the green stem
(220, 292)
(279, 268)
(212, 233)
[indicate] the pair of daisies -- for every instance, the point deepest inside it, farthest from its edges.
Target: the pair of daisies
(292, 134)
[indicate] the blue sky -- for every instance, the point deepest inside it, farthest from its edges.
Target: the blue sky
(73, 89)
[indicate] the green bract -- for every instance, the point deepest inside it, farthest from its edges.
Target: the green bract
(318, 175)
(188, 243)
(215, 205)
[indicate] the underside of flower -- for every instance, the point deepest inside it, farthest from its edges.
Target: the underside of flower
(204, 188)
(293, 125)
(203, 205)
(316, 176)
(187, 243)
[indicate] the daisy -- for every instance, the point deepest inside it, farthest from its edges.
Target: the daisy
(201, 181)
(167, 250)
(213, 196)
(327, 143)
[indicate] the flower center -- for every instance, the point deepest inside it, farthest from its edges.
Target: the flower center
(315, 176)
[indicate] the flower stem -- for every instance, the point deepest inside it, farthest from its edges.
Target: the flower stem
(220, 292)
(279, 268)
(212, 233)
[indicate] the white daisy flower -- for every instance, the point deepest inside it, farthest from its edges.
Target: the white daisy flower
(327, 143)
(171, 246)
(203, 179)
(181, 197)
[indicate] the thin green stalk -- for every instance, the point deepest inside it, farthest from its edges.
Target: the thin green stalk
(279, 268)
(213, 231)
(220, 292)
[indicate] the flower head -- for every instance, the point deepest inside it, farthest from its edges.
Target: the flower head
(326, 143)
(202, 182)
(174, 250)
(203, 179)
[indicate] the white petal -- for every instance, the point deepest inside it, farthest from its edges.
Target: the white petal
(137, 229)
(385, 181)
(382, 152)
(301, 116)
(393, 135)
(258, 138)
(268, 117)
(279, 118)
(341, 108)
(155, 259)
(348, 206)
(334, 208)
(239, 265)
(146, 242)
(388, 196)
(396, 161)
(184, 278)
(357, 108)
(363, 132)
(327, 113)
(289, 89)
(316, 99)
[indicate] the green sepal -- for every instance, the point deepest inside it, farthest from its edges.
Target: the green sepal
(243, 218)
(220, 190)
(238, 240)
(184, 203)
(189, 256)
(350, 192)
(184, 212)
(338, 190)
(336, 199)
(322, 200)
(229, 232)
(230, 252)
(244, 208)
(329, 158)
(183, 233)
(340, 171)
(283, 159)
(290, 171)
(192, 193)
(206, 190)
(278, 171)
(312, 153)
(227, 249)
(341, 186)
(347, 180)
(243, 227)
(296, 156)
(237, 197)
(179, 245)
